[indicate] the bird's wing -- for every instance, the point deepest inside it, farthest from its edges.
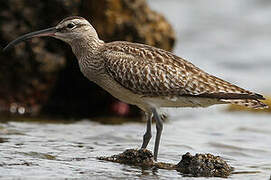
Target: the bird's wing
(150, 71)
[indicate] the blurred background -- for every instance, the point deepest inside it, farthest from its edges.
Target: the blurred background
(229, 39)
(42, 77)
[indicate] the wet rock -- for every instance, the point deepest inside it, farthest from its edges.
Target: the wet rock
(200, 165)
(42, 76)
(204, 165)
(141, 157)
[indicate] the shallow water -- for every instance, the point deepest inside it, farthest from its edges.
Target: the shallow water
(69, 150)
(228, 38)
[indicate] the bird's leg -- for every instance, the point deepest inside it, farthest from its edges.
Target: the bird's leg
(159, 129)
(147, 136)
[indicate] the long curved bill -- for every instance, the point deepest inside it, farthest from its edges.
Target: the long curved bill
(45, 32)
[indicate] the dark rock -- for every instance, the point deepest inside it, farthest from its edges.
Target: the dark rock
(200, 165)
(204, 165)
(29, 72)
(42, 75)
(130, 20)
(141, 157)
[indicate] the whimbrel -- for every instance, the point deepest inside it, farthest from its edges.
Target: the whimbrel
(143, 75)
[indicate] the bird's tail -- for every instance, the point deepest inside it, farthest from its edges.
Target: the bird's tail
(250, 103)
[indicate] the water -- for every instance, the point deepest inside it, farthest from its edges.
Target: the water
(228, 38)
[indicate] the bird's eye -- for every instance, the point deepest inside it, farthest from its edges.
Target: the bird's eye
(70, 26)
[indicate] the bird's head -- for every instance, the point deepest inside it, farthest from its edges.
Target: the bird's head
(69, 29)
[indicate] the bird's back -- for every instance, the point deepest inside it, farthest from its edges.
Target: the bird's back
(153, 72)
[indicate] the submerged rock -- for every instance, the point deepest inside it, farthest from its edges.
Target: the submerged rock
(200, 165)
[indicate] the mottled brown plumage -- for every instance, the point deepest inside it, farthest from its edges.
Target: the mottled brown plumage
(153, 72)
(143, 75)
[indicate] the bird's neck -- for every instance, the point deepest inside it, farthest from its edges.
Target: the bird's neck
(87, 54)
(86, 46)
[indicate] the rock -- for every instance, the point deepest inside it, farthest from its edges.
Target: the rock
(130, 20)
(138, 157)
(42, 75)
(204, 165)
(141, 157)
(29, 72)
(200, 165)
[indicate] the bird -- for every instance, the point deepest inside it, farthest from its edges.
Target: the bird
(142, 75)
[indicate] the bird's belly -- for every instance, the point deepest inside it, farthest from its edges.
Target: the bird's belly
(118, 91)
(181, 101)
